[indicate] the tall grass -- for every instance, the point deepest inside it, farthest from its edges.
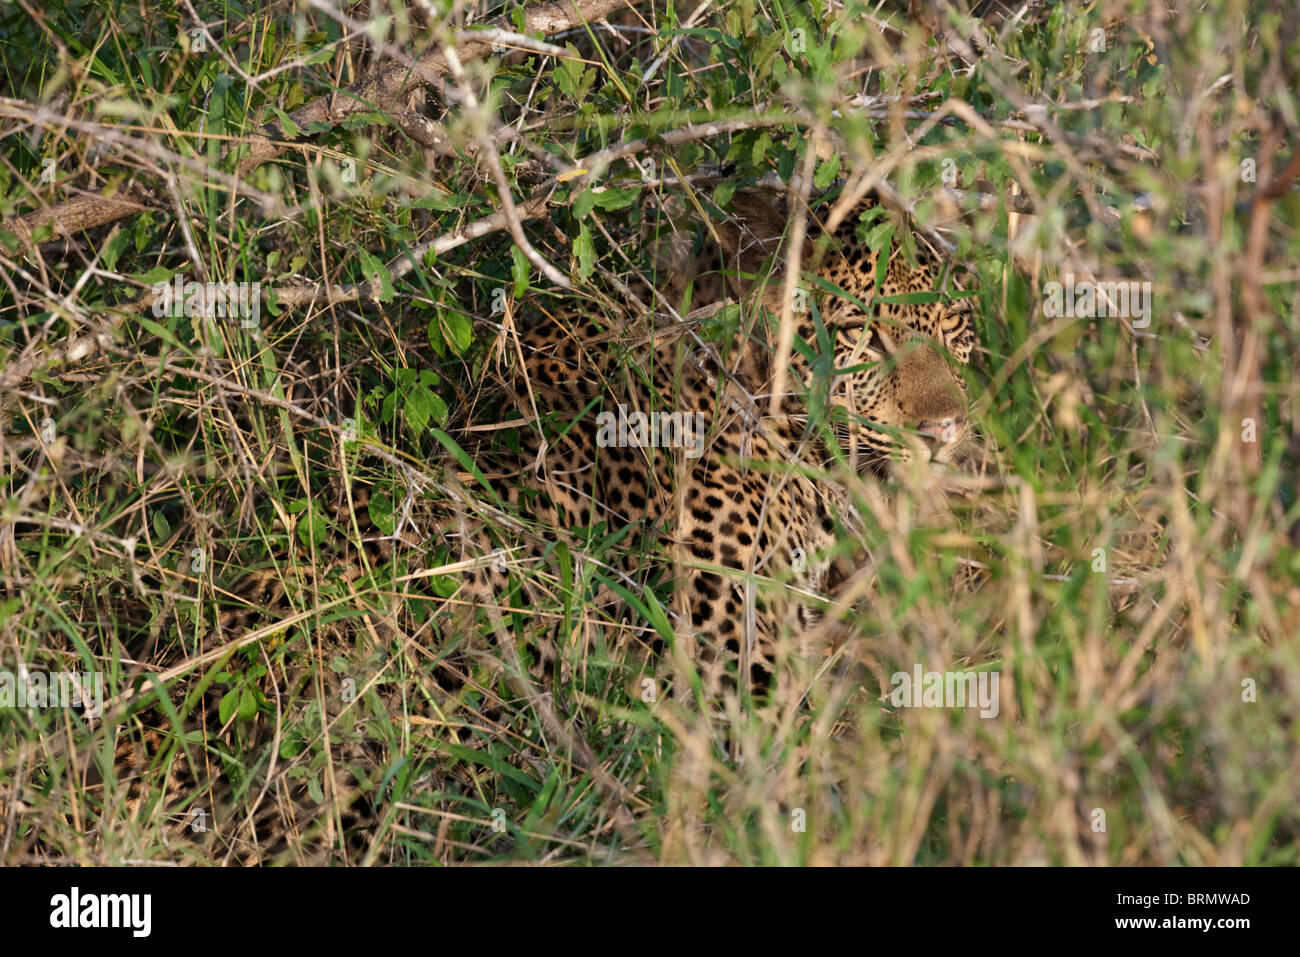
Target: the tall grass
(1121, 549)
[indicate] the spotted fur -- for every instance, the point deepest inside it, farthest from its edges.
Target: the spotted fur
(752, 527)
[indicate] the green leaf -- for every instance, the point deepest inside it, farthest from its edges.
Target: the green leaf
(460, 328)
(657, 616)
(583, 203)
(606, 198)
(312, 528)
(611, 198)
(143, 230)
(423, 406)
(566, 577)
(478, 757)
(585, 250)
(273, 301)
(291, 129)
(226, 707)
(155, 275)
(519, 272)
(373, 269)
(393, 770)
(883, 237)
(381, 512)
(569, 75)
(827, 172)
(714, 37)
(161, 332)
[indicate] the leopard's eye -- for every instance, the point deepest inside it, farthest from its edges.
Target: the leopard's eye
(882, 342)
(873, 354)
(859, 344)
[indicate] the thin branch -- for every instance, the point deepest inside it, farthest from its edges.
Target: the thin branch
(794, 253)
(489, 150)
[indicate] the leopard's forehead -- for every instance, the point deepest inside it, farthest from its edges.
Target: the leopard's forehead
(869, 293)
(945, 324)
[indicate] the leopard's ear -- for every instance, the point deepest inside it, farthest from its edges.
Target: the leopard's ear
(750, 236)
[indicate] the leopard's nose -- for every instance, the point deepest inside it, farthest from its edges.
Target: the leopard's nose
(943, 431)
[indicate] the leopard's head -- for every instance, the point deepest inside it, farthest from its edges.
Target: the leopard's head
(887, 371)
(896, 383)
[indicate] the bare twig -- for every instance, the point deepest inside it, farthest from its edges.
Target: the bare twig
(493, 160)
(507, 39)
(672, 44)
(785, 341)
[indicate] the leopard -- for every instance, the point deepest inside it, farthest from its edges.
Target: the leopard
(746, 500)
(873, 384)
